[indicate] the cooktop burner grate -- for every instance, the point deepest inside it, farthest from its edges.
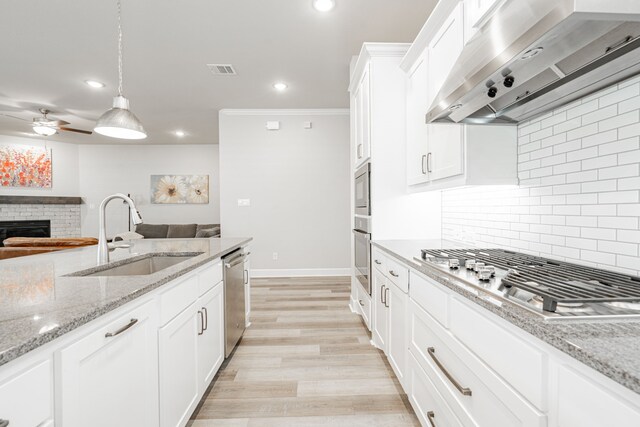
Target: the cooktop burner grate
(554, 281)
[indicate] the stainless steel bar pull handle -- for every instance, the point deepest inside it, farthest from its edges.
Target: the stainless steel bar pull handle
(393, 273)
(206, 319)
(245, 273)
(382, 294)
(429, 156)
(386, 297)
(359, 151)
(424, 164)
(463, 390)
(377, 261)
(201, 331)
(361, 302)
(118, 332)
(431, 417)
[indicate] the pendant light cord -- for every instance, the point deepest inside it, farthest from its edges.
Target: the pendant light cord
(119, 49)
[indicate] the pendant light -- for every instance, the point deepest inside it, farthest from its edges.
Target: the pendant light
(119, 121)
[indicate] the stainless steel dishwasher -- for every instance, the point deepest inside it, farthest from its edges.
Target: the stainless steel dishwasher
(234, 309)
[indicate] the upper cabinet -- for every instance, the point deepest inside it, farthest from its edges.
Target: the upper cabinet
(417, 104)
(362, 117)
(477, 12)
(444, 49)
(448, 155)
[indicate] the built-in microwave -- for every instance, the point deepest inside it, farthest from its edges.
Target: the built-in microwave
(361, 191)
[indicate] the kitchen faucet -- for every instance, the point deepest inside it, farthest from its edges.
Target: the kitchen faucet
(103, 248)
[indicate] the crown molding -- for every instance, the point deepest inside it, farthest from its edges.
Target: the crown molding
(286, 112)
(375, 50)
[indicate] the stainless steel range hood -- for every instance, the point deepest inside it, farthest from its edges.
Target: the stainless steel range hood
(533, 56)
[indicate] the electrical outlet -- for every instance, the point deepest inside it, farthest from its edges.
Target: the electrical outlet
(244, 202)
(275, 256)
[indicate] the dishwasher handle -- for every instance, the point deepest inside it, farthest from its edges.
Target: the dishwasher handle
(239, 259)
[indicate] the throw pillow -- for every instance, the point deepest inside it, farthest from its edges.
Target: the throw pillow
(153, 231)
(207, 232)
(181, 231)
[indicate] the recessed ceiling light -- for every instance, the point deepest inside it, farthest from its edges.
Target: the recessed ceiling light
(179, 133)
(323, 5)
(280, 86)
(94, 84)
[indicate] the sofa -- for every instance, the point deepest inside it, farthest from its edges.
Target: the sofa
(178, 231)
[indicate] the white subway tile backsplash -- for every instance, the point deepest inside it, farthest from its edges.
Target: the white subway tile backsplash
(600, 162)
(579, 193)
(600, 114)
(585, 153)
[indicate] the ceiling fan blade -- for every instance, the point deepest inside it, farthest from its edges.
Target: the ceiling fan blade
(14, 117)
(58, 123)
(86, 132)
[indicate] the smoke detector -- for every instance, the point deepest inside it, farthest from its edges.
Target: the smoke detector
(222, 69)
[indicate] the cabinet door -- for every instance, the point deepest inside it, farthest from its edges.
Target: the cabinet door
(211, 338)
(444, 50)
(247, 291)
(417, 100)
(26, 399)
(397, 343)
(446, 156)
(110, 377)
(362, 102)
(380, 311)
(178, 341)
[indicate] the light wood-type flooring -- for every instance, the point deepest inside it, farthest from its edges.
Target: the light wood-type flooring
(305, 361)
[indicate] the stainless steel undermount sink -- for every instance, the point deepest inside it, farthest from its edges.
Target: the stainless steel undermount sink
(139, 266)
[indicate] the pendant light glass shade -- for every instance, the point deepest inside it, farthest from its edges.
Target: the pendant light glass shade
(120, 122)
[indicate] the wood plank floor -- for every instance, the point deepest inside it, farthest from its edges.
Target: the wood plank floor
(305, 361)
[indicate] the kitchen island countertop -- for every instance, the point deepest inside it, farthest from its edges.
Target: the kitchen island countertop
(39, 302)
(611, 347)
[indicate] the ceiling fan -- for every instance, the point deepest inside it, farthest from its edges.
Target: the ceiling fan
(45, 126)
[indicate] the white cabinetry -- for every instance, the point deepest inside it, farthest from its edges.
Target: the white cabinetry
(26, 397)
(211, 335)
(111, 372)
(417, 104)
(362, 116)
(247, 290)
(461, 155)
(397, 301)
(444, 49)
(380, 312)
(178, 343)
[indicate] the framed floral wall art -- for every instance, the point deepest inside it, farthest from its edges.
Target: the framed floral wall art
(25, 166)
(179, 189)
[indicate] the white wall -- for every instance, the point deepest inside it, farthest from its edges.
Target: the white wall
(297, 181)
(579, 198)
(64, 170)
(108, 169)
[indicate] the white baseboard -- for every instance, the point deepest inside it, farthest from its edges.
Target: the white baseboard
(300, 272)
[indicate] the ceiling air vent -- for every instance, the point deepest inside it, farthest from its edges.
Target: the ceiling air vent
(222, 69)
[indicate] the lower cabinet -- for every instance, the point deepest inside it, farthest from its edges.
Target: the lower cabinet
(247, 290)
(179, 376)
(211, 335)
(379, 291)
(35, 381)
(430, 407)
(110, 377)
(397, 340)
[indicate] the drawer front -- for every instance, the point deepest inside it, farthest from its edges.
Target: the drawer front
(430, 407)
(431, 296)
(27, 398)
(398, 274)
(499, 348)
(475, 392)
(179, 297)
(208, 277)
(583, 402)
(364, 302)
(379, 261)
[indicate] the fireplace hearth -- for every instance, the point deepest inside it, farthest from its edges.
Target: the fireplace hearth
(41, 228)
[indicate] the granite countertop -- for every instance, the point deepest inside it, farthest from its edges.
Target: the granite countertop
(39, 302)
(611, 347)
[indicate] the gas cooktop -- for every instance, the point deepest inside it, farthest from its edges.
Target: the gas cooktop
(552, 289)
